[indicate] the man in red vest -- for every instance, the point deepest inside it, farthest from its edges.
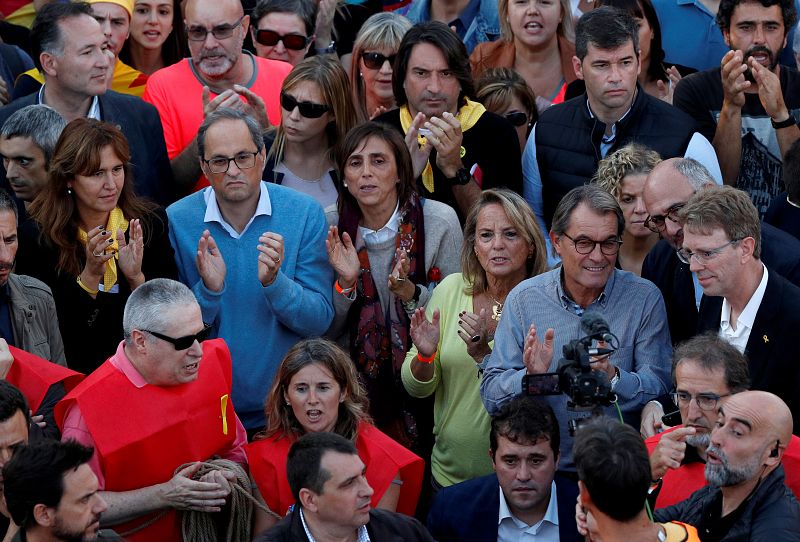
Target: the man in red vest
(160, 402)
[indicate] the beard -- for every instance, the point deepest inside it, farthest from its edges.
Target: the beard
(700, 441)
(65, 534)
(771, 56)
(724, 475)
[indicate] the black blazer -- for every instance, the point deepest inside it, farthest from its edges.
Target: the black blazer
(467, 512)
(383, 526)
(779, 251)
(139, 121)
(772, 346)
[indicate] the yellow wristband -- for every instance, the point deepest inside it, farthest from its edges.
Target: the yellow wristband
(86, 288)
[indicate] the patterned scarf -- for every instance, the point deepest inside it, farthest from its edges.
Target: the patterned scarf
(379, 340)
(116, 220)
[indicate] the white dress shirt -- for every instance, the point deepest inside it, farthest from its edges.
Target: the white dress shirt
(744, 324)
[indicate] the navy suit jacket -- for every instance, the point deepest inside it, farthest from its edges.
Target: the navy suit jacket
(468, 512)
(772, 346)
(139, 121)
(780, 251)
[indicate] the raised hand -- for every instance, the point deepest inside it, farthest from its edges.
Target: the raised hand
(399, 284)
(475, 331)
(210, 264)
(255, 106)
(537, 354)
(446, 138)
(419, 155)
(98, 240)
(769, 91)
(425, 333)
(131, 253)
(270, 248)
(669, 452)
(651, 423)
(733, 80)
(343, 257)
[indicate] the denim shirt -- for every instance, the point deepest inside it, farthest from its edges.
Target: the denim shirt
(484, 27)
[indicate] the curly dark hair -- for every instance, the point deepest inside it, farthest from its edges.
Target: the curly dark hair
(525, 420)
(726, 8)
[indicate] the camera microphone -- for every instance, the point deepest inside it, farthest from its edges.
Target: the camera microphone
(595, 326)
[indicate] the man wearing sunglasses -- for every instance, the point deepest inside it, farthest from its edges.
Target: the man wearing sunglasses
(218, 74)
(667, 189)
(160, 402)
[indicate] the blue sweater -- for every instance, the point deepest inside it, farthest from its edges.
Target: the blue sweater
(259, 323)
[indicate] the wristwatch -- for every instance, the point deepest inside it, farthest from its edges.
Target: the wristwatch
(463, 176)
(411, 304)
(329, 50)
(784, 123)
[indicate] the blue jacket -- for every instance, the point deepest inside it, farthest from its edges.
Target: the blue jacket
(484, 27)
(468, 512)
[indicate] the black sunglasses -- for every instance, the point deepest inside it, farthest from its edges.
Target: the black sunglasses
(374, 61)
(309, 110)
(270, 38)
(183, 343)
(517, 118)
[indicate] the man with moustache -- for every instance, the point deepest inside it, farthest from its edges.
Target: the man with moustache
(53, 494)
(218, 74)
(749, 107)
(746, 498)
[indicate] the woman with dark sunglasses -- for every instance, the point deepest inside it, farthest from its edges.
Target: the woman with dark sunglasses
(284, 29)
(157, 37)
(505, 92)
(316, 113)
(93, 240)
(371, 67)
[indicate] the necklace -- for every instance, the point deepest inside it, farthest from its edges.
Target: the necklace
(497, 308)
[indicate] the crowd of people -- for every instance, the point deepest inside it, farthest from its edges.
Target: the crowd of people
(337, 270)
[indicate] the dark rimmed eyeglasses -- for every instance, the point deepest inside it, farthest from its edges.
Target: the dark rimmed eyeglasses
(183, 343)
(374, 61)
(221, 32)
(705, 401)
(703, 256)
(584, 245)
(517, 118)
(658, 223)
(309, 110)
(221, 164)
(270, 38)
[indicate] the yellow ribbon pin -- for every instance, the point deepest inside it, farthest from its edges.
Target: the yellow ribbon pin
(224, 407)
(766, 339)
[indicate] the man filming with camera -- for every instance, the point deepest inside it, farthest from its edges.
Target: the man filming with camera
(544, 313)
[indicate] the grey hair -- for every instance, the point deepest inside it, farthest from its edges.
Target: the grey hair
(148, 307)
(595, 198)
(41, 123)
(225, 113)
(8, 204)
(695, 172)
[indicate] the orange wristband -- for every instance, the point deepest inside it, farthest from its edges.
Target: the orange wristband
(340, 290)
(428, 360)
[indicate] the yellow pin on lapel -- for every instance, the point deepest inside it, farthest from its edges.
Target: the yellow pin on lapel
(462, 152)
(223, 403)
(766, 339)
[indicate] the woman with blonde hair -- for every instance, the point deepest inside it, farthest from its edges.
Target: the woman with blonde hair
(538, 43)
(505, 92)
(371, 69)
(317, 389)
(502, 246)
(316, 114)
(623, 175)
(96, 240)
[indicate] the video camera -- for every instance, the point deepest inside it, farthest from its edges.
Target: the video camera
(586, 388)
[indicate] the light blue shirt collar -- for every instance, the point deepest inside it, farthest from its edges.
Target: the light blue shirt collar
(213, 214)
(94, 109)
(550, 516)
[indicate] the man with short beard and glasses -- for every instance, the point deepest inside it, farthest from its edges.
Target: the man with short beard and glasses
(746, 498)
(707, 370)
(749, 106)
(218, 74)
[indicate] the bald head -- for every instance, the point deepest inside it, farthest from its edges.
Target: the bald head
(769, 415)
(232, 7)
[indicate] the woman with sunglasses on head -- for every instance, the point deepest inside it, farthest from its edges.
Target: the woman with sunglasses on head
(157, 38)
(371, 67)
(623, 175)
(284, 29)
(316, 113)
(505, 92)
(388, 246)
(538, 43)
(96, 240)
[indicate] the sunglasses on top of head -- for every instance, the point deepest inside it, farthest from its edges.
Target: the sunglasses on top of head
(374, 61)
(309, 110)
(270, 38)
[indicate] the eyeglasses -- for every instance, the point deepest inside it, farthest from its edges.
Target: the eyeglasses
(702, 256)
(517, 118)
(658, 224)
(609, 247)
(309, 110)
(221, 164)
(706, 401)
(270, 38)
(221, 32)
(183, 343)
(374, 61)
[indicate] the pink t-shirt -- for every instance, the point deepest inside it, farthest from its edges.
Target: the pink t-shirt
(177, 93)
(75, 427)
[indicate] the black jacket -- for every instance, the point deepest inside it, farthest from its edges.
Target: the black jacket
(568, 140)
(383, 526)
(771, 514)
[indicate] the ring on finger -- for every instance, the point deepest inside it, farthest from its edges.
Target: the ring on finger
(96, 255)
(475, 338)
